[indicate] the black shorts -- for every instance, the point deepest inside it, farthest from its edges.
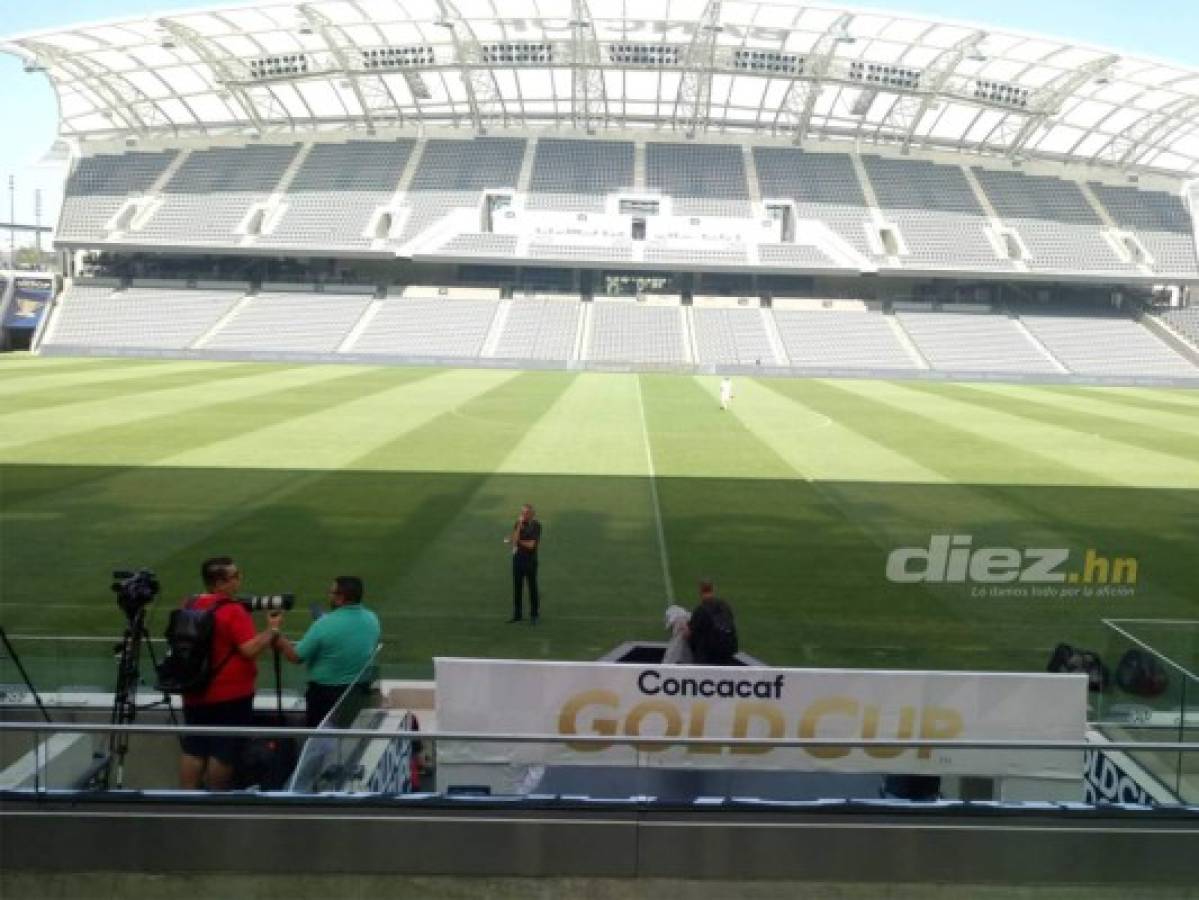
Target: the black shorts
(225, 747)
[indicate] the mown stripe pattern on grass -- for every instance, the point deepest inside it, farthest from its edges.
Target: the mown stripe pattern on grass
(791, 501)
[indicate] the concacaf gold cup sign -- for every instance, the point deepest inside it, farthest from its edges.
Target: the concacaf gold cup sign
(648, 711)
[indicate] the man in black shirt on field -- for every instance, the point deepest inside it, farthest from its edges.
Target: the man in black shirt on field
(525, 539)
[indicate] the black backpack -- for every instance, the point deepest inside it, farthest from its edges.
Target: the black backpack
(1141, 673)
(187, 667)
(1071, 659)
(722, 632)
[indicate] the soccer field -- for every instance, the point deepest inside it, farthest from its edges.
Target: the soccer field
(793, 502)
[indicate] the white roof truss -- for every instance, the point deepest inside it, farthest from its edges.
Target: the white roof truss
(691, 67)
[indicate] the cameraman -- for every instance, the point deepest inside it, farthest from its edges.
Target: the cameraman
(209, 760)
(336, 648)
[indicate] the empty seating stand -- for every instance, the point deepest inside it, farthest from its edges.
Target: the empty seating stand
(100, 185)
(734, 337)
(1060, 229)
(479, 244)
(453, 174)
(139, 318)
(839, 339)
(702, 179)
(539, 330)
(974, 342)
(1184, 321)
(547, 248)
(823, 186)
(795, 256)
(427, 329)
(212, 193)
(574, 175)
(335, 192)
(290, 322)
(627, 332)
(1161, 223)
(1099, 345)
(936, 212)
(691, 255)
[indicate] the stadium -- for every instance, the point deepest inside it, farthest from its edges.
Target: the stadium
(340, 285)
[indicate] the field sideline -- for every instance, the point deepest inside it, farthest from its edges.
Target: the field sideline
(792, 501)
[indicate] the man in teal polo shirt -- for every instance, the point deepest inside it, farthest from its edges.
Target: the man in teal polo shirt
(336, 648)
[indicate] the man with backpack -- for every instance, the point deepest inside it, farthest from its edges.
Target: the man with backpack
(225, 696)
(713, 633)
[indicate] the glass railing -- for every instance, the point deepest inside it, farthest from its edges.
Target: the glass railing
(73, 665)
(393, 758)
(326, 763)
(1153, 696)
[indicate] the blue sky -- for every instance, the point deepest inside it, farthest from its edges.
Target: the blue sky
(1164, 29)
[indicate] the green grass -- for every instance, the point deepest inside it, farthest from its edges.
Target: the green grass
(411, 477)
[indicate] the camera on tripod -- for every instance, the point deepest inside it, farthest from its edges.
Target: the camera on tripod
(135, 590)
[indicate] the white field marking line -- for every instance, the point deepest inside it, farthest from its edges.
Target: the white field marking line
(114, 640)
(54, 605)
(784, 432)
(653, 491)
(1183, 669)
(74, 637)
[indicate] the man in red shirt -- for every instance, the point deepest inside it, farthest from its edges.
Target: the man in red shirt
(209, 760)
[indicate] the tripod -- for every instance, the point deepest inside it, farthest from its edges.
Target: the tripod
(124, 702)
(12, 653)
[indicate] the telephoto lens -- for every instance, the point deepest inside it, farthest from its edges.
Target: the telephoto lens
(267, 602)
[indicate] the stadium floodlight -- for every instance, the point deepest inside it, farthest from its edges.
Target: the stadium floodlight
(842, 36)
(34, 66)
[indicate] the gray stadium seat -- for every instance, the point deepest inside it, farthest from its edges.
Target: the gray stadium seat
(623, 331)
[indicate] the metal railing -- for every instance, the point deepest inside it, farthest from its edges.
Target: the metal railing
(630, 754)
(632, 740)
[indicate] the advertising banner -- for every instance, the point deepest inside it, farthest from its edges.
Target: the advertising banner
(565, 698)
(30, 298)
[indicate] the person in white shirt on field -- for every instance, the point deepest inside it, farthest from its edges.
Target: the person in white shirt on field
(726, 392)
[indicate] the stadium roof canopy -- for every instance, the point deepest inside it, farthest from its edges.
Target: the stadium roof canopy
(691, 67)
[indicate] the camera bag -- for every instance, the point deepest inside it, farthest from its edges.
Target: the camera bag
(1141, 673)
(1071, 659)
